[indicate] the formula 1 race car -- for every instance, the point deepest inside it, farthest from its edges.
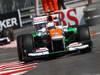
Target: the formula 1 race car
(6, 36)
(58, 40)
(70, 34)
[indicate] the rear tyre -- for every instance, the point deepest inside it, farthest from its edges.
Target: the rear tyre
(84, 35)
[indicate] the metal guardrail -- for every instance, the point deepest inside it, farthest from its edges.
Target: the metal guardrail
(25, 16)
(73, 1)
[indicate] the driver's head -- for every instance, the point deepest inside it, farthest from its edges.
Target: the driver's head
(49, 18)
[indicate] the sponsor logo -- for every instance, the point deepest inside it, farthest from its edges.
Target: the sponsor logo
(75, 44)
(43, 19)
(71, 16)
(8, 23)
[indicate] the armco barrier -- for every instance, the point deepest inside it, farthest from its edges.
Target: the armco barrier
(26, 16)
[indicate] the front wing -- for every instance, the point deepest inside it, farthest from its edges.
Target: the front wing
(71, 47)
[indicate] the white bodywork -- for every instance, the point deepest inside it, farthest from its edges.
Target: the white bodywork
(71, 47)
(76, 46)
(5, 38)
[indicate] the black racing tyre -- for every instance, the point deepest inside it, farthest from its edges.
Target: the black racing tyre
(28, 47)
(84, 35)
(24, 46)
(9, 33)
(20, 48)
(28, 43)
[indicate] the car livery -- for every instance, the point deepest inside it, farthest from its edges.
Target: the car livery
(62, 39)
(54, 41)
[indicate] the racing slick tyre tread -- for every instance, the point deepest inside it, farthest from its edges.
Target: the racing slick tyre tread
(84, 35)
(24, 46)
(27, 46)
(20, 48)
(28, 43)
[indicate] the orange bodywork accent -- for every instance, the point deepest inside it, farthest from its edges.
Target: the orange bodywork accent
(55, 32)
(50, 5)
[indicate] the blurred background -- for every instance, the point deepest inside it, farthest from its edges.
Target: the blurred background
(13, 5)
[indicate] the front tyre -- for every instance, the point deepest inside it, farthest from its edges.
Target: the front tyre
(24, 46)
(20, 48)
(84, 35)
(28, 44)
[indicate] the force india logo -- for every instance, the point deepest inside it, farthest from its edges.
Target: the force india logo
(8, 23)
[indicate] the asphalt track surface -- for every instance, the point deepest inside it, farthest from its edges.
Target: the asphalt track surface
(71, 64)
